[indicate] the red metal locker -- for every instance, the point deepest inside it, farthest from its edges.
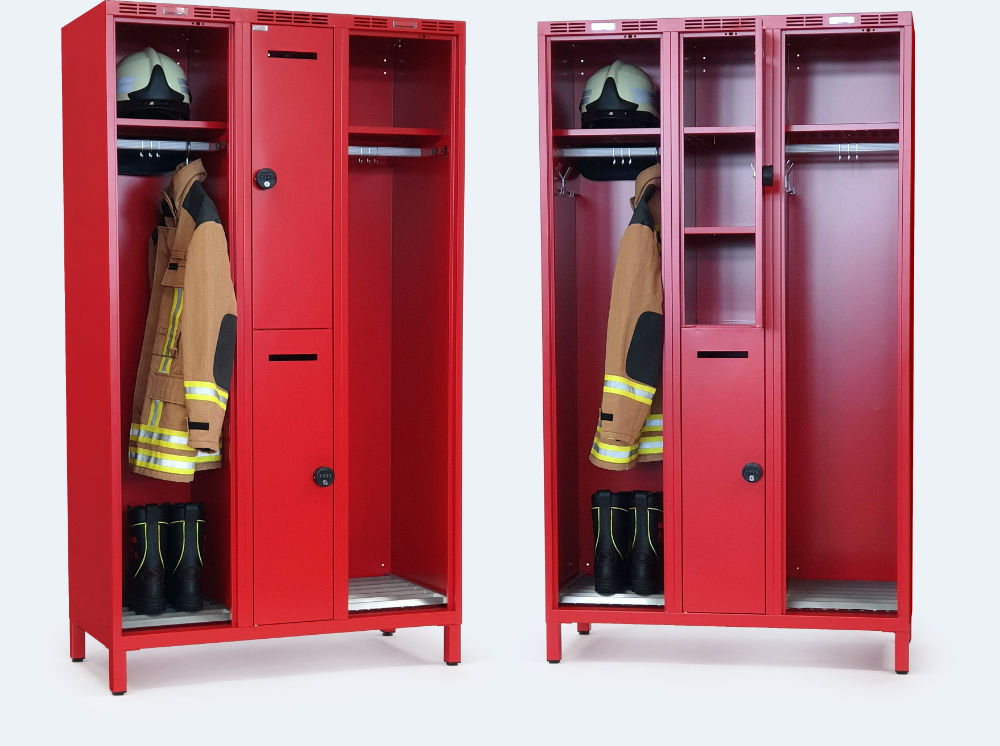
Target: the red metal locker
(292, 138)
(293, 514)
(722, 430)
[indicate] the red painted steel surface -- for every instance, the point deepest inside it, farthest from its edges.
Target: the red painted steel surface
(293, 516)
(292, 114)
(722, 428)
(112, 217)
(753, 249)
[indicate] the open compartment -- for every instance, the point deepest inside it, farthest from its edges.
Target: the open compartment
(842, 77)
(574, 61)
(587, 231)
(842, 386)
(399, 277)
(719, 81)
(719, 181)
(719, 279)
(399, 87)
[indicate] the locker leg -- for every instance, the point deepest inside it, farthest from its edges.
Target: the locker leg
(902, 652)
(388, 632)
(583, 628)
(116, 671)
(453, 644)
(553, 642)
(77, 643)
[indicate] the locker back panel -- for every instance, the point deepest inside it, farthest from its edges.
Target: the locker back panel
(722, 429)
(292, 515)
(292, 134)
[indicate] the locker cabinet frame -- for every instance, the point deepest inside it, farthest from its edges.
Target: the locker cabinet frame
(770, 130)
(96, 383)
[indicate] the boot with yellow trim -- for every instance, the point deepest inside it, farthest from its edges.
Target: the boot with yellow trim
(147, 588)
(185, 541)
(646, 576)
(613, 529)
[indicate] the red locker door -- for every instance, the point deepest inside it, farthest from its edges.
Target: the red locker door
(292, 513)
(722, 430)
(292, 136)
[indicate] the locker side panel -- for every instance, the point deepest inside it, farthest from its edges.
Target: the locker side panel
(292, 134)
(92, 388)
(292, 515)
(722, 424)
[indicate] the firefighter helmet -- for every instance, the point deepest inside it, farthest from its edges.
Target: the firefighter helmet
(619, 95)
(153, 86)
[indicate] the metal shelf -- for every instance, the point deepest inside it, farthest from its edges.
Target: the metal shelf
(841, 595)
(580, 590)
(212, 612)
(389, 592)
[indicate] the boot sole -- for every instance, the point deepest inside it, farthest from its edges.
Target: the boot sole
(188, 604)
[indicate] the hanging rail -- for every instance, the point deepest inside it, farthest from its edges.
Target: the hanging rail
(844, 150)
(382, 151)
(612, 153)
(181, 146)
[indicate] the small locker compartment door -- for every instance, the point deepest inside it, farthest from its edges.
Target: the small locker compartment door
(292, 512)
(722, 424)
(292, 177)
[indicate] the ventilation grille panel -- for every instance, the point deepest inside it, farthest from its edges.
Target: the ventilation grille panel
(137, 9)
(879, 19)
(649, 24)
(211, 14)
(567, 28)
(444, 26)
(292, 19)
(370, 22)
(803, 21)
(720, 24)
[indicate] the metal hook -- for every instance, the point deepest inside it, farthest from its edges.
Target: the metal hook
(630, 155)
(753, 170)
(789, 188)
(187, 154)
(838, 152)
(614, 159)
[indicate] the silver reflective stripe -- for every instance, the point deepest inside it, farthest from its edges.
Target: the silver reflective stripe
(657, 423)
(613, 454)
(642, 394)
(205, 391)
(142, 458)
(159, 437)
(214, 456)
(650, 445)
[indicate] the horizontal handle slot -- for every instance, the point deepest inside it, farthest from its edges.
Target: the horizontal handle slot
(404, 24)
(288, 55)
(723, 353)
(293, 357)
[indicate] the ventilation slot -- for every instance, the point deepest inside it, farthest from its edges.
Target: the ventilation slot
(212, 14)
(567, 28)
(728, 24)
(803, 21)
(446, 26)
(879, 19)
(370, 22)
(645, 25)
(137, 9)
(292, 19)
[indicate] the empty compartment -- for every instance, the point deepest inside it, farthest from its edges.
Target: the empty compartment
(719, 279)
(201, 51)
(400, 83)
(587, 230)
(574, 62)
(719, 181)
(719, 81)
(842, 404)
(841, 595)
(400, 271)
(842, 78)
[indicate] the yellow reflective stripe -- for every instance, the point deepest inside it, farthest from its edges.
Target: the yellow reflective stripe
(634, 384)
(654, 423)
(148, 464)
(161, 454)
(168, 344)
(629, 395)
(206, 384)
(205, 397)
(155, 442)
(164, 430)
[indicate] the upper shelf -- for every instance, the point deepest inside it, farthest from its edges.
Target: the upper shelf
(633, 135)
(170, 128)
(701, 131)
(392, 135)
(845, 127)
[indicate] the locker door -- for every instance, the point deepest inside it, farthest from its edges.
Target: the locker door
(292, 514)
(722, 430)
(292, 136)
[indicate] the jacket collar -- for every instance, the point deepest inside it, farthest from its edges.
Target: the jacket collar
(184, 176)
(646, 179)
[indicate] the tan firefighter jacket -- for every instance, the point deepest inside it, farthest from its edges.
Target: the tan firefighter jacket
(182, 387)
(630, 427)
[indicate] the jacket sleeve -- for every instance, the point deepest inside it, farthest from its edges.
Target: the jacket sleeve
(208, 334)
(633, 358)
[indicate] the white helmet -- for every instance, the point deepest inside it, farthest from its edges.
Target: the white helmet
(619, 95)
(152, 85)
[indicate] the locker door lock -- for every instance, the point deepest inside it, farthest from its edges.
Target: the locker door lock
(265, 178)
(752, 472)
(323, 476)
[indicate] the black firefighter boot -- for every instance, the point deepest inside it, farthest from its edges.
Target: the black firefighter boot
(185, 539)
(647, 546)
(147, 591)
(613, 528)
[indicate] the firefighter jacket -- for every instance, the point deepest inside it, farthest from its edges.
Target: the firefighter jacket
(182, 386)
(630, 426)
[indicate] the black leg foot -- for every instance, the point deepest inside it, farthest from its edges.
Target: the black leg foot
(902, 673)
(388, 634)
(77, 660)
(553, 661)
(451, 663)
(117, 694)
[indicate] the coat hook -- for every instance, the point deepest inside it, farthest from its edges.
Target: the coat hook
(187, 154)
(789, 188)
(630, 155)
(753, 170)
(838, 151)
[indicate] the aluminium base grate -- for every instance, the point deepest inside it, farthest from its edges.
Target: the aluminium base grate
(389, 592)
(212, 612)
(580, 590)
(841, 595)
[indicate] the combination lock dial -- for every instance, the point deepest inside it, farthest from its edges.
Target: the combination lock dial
(266, 178)
(323, 476)
(752, 472)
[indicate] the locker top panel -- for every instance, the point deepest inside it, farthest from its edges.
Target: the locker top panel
(723, 25)
(209, 14)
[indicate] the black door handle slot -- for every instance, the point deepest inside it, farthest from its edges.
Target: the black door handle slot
(291, 358)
